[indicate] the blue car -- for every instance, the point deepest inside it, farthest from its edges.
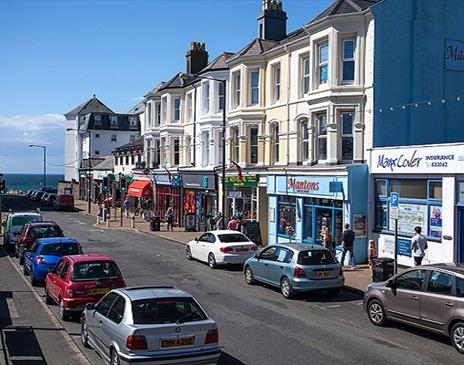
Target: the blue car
(295, 267)
(45, 253)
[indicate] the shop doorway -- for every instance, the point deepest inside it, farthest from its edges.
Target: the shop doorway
(460, 238)
(317, 217)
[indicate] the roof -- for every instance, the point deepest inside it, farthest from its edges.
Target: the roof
(56, 240)
(136, 293)
(456, 268)
(137, 109)
(103, 122)
(92, 105)
(155, 90)
(225, 231)
(106, 164)
(299, 246)
(42, 224)
(177, 81)
(345, 7)
(15, 214)
(219, 63)
(93, 162)
(256, 47)
(89, 258)
(130, 146)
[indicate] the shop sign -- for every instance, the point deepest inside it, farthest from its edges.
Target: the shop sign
(165, 179)
(199, 181)
(302, 185)
(409, 217)
(241, 182)
(403, 247)
(234, 194)
(454, 55)
(416, 160)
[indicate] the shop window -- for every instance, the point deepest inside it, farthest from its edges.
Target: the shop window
(321, 136)
(287, 216)
(435, 221)
(254, 145)
(380, 187)
(381, 217)
(435, 190)
(409, 188)
(346, 120)
(308, 232)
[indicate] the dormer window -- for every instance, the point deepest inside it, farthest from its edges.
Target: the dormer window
(114, 121)
(98, 120)
(133, 122)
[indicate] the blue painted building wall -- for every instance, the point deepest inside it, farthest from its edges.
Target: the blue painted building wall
(410, 66)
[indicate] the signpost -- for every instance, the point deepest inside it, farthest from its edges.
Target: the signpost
(394, 213)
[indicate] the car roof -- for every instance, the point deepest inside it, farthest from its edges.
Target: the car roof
(225, 231)
(89, 258)
(456, 268)
(300, 246)
(148, 292)
(42, 224)
(55, 240)
(14, 214)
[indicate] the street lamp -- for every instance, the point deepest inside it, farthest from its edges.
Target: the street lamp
(44, 162)
(186, 76)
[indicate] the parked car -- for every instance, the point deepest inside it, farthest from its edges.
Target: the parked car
(150, 325)
(50, 199)
(45, 253)
(221, 247)
(13, 225)
(44, 198)
(32, 231)
(430, 297)
(295, 268)
(33, 194)
(38, 196)
(80, 279)
(64, 202)
(29, 193)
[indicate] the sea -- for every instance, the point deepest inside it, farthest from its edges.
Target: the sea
(25, 182)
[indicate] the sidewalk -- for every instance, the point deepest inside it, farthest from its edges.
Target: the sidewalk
(355, 280)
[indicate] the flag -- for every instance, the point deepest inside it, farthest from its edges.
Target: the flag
(239, 170)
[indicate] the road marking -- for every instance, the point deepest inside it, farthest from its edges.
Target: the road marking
(12, 308)
(80, 222)
(333, 306)
(25, 358)
(96, 230)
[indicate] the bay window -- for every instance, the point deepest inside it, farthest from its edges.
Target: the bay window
(253, 145)
(236, 85)
(176, 150)
(176, 107)
(206, 97)
(254, 87)
(348, 60)
(221, 96)
(321, 120)
(346, 121)
(323, 63)
(157, 114)
(235, 144)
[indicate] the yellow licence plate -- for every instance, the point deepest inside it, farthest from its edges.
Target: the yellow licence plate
(320, 274)
(98, 291)
(177, 342)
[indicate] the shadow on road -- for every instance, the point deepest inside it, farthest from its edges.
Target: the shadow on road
(227, 359)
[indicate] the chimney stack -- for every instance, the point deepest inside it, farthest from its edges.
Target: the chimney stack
(197, 57)
(272, 22)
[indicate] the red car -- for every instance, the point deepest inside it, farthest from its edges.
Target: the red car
(80, 279)
(33, 231)
(64, 202)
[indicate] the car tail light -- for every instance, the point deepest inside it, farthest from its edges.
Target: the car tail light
(254, 248)
(298, 272)
(212, 336)
(136, 343)
(226, 249)
(69, 293)
(39, 260)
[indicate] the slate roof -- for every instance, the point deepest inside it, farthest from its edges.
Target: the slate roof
(345, 7)
(219, 63)
(93, 161)
(137, 109)
(92, 105)
(88, 122)
(107, 163)
(256, 47)
(155, 90)
(177, 82)
(136, 145)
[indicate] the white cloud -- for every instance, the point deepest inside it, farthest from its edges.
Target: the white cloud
(31, 123)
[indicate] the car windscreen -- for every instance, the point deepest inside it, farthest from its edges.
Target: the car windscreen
(21, 220)
(233, 237)
(89, 271)
(166, 310)
(42, 232)
(61, 250)
(316, 257)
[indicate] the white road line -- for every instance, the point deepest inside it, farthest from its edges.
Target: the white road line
(12, 308)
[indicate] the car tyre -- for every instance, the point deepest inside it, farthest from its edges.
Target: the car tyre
(114, 358)
(211, 261)
(286, 288)
(188, 253)
(25, 271)
(457, 337)
(249, 277)
(376, 313)
(64, 314)
(21, 259)
(48, 298)
(84, 333)
(32, 279)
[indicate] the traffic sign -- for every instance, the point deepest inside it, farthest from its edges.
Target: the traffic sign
(394, 199)
(394, 212)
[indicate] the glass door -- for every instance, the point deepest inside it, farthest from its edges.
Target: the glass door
(460, 244)
(323, 221)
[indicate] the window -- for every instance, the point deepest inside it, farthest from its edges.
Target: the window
(254, 87)
(139, 158)
(276, 83)
(121, 160)
(158, 113)
(114, 121)
(304, 140)
(61, 250)
(189, 107)
(104, 305)
(321, 120)
(254, 145)
(133, 122)
(305, 72)
(132, 159)
(233, 237)
(220, 144)
(114, 138)
(275, 143)
(323, 63)
(149, 116)
(131, 138)
(127, 159)
(221, 96)
(206, 97)
(435, 190)
(205, 149)
(116, 160)
(235, 144)
(164, 110)
(283, 255)
(308, 223)
(316, 257)
(97, 152)
(98, 120)
(440, 283)
(409, 188)
(268, 254)
(460, 287)
(287, 216)
(381, 216)
(411, 280)
(176, 106)
(237, 81)
(346, 121)
(348, 60)
(380, 187)
(157, 152)
(188, 147)
(176, 152)
(95, 270)
(97, 135)
(64, 271)
(116, 312)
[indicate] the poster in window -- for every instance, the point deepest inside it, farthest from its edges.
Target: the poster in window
(360, 225)
(435, 221)
(189, 202)
(410, 216)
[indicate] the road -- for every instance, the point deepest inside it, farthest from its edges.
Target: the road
(257, 325)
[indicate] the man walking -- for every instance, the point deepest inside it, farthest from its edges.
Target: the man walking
(418, 246)
(347, 243)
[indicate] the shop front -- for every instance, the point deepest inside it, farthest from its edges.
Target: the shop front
(199, 199)
(430, 183)
(302, 206)
(242, 196)
(168, 189)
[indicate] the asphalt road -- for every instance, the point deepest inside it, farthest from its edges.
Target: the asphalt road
(257, 325)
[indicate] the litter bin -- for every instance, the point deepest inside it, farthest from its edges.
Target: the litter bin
(383, 269)
(155, 224)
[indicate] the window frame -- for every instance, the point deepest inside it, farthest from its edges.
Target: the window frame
(164, 109)
(114, 138)
(176, 109)
(236, 77)
(320, 136)
(114, 122)
(220, 96)
(235, 143)
(303, 128)
(276, 76)
(321, 64)
(157, 113)
(305, 74)
(97, 120)
(275, 142)
(280, 202)
(252, 146)
(206, 93)
(251, 88)
(344, 136)
(176, 151)
(345, 60)
(189, 106)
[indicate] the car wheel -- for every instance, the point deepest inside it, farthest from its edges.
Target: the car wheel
(114, 360)
(211, 261)
(376, 313)
(63, 312)
(286, 288)
(16, 253)
(333, 292)
(25, 272)
(48, 298)
(457, 337)
(249, 277)
(21, 259)
(84, 333)
(188, 253)
(32, 279)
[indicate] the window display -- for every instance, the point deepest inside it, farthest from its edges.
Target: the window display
(287, 215)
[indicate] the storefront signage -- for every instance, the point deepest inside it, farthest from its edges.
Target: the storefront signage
(403, 247)
(199, 181)
(454, 55)
(410, 216)
(234, 194)
(304, 185)
(309, 186)
(242, 182)
(435, 221)
(428, 159)
(165, 179)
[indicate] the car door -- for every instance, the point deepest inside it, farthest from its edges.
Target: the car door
(201, 247)
(260, 268)
(53, 278)
(30, 255)
(403, 299)
(278, 267)
(110, 326)
(61, 281)
(211, 245)
(98, 319)
(438, 302)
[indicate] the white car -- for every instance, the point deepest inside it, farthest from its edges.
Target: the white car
(221, 247)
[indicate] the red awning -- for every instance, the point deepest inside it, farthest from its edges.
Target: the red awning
(140, 189)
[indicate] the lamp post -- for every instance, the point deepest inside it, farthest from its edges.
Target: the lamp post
(185, 76)
(44, 162)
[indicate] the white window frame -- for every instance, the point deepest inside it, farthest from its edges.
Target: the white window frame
(320, 137)
(157, 156)
(164, 109)
(343, 135)
(348, 59)
(132, 121)
(114, 121)
(275, 130)
(97, 119)
(251, 88)
(176, 110)
(236, 77)
(304, 141)
(321, 63)
(252, 146)
(305, 77)
(114, 138)
(235, 140)
(157, 113)
(220, 86)
(276, 83)
(189, 106)
(206, 92)
(132, 138)
(205, 148)
(176, 154)
(149, 112)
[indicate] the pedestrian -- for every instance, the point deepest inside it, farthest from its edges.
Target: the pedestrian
(214, 221)
(347, 243)
(418, 246)
(327, 238)
(169, 217)
(372, 254)
(126, 206)
(233, 224)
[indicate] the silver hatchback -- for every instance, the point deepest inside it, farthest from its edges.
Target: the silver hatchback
(430, 297)
(150, 325)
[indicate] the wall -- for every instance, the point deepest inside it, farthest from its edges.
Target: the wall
(104, 143)
(70, 151)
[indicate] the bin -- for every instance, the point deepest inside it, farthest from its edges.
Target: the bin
(383, 269)
(155, 224)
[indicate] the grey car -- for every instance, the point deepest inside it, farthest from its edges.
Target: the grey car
(150, 325)
(430, 297)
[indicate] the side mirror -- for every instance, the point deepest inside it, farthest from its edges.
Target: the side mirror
(257, 256)
(390, 284)
(196, 239)
(90, 306)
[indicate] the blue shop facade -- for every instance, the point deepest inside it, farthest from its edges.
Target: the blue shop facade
(302, 201)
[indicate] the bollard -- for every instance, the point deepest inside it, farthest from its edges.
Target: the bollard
(98, 219)
(107, 223)
(133, 221)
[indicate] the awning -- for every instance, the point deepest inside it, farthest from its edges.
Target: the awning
(140, 189)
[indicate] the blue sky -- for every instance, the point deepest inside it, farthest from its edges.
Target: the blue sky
(56, 54)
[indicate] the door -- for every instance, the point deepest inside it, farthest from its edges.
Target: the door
(438, 303)
(52, 282)
(279, 266)
(460, 253)
(109, 328)
(323, 221)
(210, 245)
(403, 300)
(201, 248)
(260, 269)
(98, 320)
(61, 281)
